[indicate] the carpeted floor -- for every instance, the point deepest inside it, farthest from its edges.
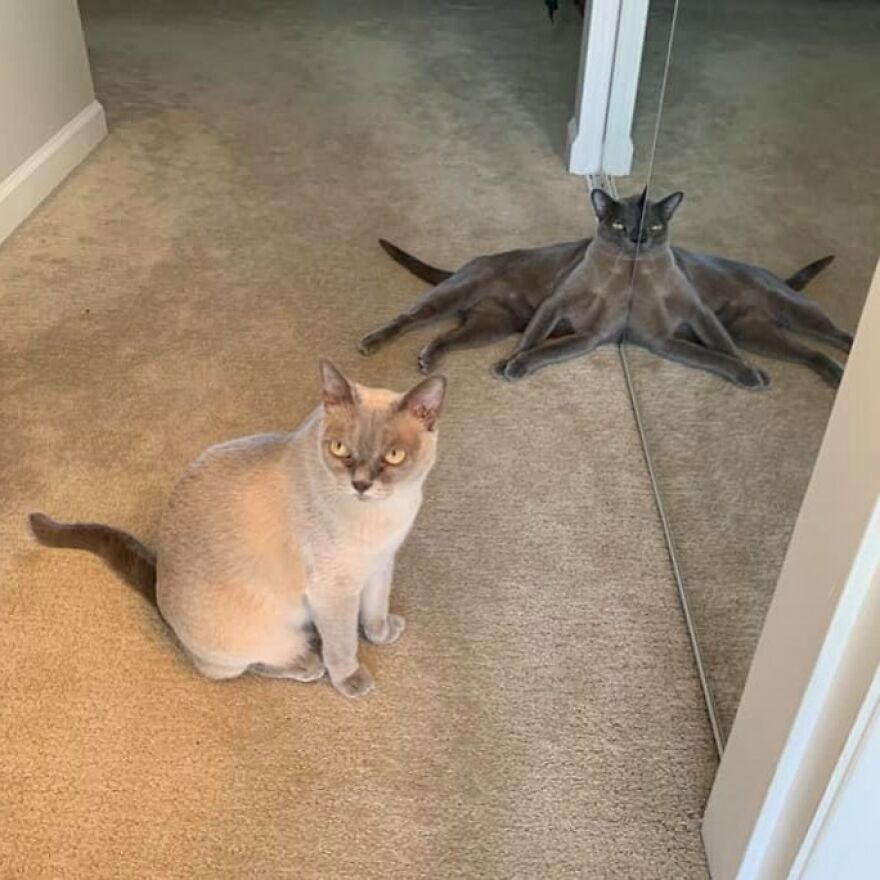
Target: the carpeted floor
(770, 126)
(541, 716)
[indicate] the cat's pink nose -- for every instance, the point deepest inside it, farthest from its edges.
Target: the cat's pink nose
(361, 486)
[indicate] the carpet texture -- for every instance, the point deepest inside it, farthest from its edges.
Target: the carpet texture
(770, 126)
(541, 716)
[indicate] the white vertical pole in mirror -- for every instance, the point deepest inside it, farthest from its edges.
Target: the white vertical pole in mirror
(797, 794)
(617, 155)
(600, 133)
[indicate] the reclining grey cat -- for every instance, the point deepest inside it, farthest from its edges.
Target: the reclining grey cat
(626, 283)
(269, 537)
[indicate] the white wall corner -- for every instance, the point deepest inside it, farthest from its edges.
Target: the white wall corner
(26, 187)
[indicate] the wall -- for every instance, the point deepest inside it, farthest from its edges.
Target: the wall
(49, 119)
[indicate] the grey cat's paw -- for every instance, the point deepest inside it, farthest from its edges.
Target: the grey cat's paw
(497, 369)
(356, 685)
(515, 369)
(509, 370)
(369, 344)
(426, 362)
(754, 379)
(832, 373)
(386, 633)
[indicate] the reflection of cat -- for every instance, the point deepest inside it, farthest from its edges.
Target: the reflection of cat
(268, 537)
(629, 283)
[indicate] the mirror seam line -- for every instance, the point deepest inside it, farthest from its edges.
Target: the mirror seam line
(684, 603)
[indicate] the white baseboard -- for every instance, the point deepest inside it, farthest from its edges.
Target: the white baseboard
(43, 171)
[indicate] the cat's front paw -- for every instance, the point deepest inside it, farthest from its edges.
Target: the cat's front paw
(426, 362)
(498, 369)
(356, 685)
(755, 379)
(387, 632)
(369, 344)
(516, 369)
(510, 369)
(832, 373)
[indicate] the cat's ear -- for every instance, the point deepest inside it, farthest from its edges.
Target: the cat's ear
(336, 388)
(667, 206)
(425, 401)
(602, 203)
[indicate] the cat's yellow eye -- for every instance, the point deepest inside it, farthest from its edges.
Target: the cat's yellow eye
(395, 456)
(337, 449)
(656, 227)
(617, 225)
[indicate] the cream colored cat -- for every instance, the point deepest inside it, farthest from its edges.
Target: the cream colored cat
(269, 537)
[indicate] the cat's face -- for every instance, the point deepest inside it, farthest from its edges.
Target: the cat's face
(635, 225)
(374, 441)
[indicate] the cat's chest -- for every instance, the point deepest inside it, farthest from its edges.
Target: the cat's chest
(613, 278)
(662, 285)
(363, 535)
(376, 533)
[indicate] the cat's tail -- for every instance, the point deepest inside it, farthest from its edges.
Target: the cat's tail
(431, 274)
(130, 559)
(804, 276)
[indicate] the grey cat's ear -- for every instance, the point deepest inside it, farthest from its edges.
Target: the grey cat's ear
(425, 401)
(602, 203)
(336, 388)
(667, 206)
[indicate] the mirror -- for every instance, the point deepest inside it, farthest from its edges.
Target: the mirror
(769, 126)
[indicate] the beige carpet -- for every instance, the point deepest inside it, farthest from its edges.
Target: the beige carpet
(541, 717)
(770, 126)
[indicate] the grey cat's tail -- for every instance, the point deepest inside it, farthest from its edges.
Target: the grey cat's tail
(130, 559)
(431, 274)
(804, 276)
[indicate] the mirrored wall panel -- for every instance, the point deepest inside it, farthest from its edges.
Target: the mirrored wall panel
(770, 129)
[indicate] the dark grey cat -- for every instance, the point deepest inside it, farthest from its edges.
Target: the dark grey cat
(627, 282)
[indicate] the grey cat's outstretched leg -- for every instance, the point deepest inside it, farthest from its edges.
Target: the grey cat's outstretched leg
(552, 351)
(541, 325)
(808, 319)
(534, 351)
(712, 333)
(477, 328)
(729, 367)
(453, 295)
(764, 338)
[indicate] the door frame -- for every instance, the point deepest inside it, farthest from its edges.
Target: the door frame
(802, 763)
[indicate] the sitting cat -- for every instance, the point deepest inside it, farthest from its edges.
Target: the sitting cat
(627, 282)
(269, 537)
